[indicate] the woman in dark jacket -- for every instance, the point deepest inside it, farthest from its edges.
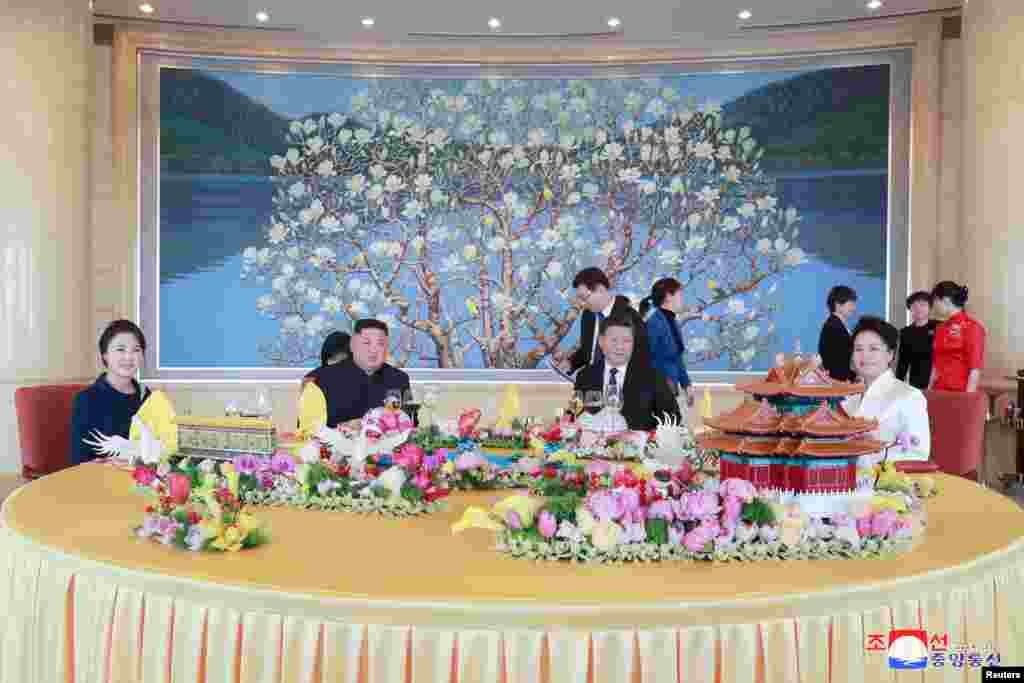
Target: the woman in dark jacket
(108, 405)
(835, 345)
(664, 338)
(335, 350)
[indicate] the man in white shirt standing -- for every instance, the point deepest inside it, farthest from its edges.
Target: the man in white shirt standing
(643, 392)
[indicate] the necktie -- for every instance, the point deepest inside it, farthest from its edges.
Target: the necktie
(613, 382)
(597, 355)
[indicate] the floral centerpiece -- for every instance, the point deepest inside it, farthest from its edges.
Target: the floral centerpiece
(600, 513)
(196, 511)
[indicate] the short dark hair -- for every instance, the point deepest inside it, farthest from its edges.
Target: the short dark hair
(335, 343)
(591, 278)
(887, 332)
(617, 321)
(839, 295)
(919, 296)
(370, 324)
(947, 289)
(119, 327)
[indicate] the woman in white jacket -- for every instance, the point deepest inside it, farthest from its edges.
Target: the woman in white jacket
(901, 410)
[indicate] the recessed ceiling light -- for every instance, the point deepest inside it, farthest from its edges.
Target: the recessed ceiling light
(745, 14)
(368, 22)
(262, 17)
(875, 4)
(146, 8)
(614, 22)
(494, 23)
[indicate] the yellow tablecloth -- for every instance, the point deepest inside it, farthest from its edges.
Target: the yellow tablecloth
(337, 597)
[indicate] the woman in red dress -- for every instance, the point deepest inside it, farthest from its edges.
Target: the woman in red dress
(959, 352)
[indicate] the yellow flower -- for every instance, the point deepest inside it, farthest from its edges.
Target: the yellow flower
(488, 220)
(228, 470)
(712, 284)
(894, 503)
(526, 507)
(562, 456)
(448, 467)
(230, 539)
(641, 471)
(477, 518)
(548, 194)
(585, 520)
(213, 509)
(212, 528)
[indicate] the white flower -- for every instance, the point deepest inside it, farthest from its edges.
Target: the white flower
(694, 219)
(699, 344)
(629, 175)
(279, 284)
(393, 184)
(362, 136)
(357, 183)
(330, 305)
(437, 137)
(344, 135)
(747, 210)
(554, 269)
(724, 153)
(795, 256)
(423, 182)
(606, 535)
(374, 193)
(313, 295)
(335, 119)
(497, 243)
(378, 171)
(732, 174)
(296, 127)
(312, 213)
(549, 239)
(379, 248)
(737, 306)
(469, 252)
(573, 199)
(672, 135)
(709, 194)
(249, 254)
(299, 287)
(704, 150)
(330, 224)
(392, 481)
(614, 151)
(608, 248)
(536, 137)
(394, 249)
(781, 245)
(648, 187)
(309, 125)
(751, 331)
(696, 242)
(350, 220)
(764, 246)
(297, 190)
(287, 270)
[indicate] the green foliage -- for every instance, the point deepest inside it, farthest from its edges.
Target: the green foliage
(757, 512)
(657, 531)
(411, 493)
(563, 506)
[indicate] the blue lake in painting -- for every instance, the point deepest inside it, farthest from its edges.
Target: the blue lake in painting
(208, 315)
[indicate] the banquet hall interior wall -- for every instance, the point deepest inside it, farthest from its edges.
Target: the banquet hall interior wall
(69, 267)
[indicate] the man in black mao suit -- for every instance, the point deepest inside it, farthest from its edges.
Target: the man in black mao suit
(835, 345)
(645, 393)
(592, 290)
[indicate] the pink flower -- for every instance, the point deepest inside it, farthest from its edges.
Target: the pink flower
(630, 501)
(144, 476)
(513, 520)
(606, 505)
(422, 480)
(864, 526)
(547, 524)
(740, 488)
(181, 486)
(842, 519)
(468, 422)
(470, 460)
(697, 538)
(282, 463)
(701, 504)
(883, 522)
(246, 464)
(732, 509)
(712, 527)
(409, 456)
(598, 467)
(389, 421)
(438, 458)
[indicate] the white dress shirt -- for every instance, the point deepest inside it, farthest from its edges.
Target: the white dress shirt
(899, 408)
(597, 329)
(620, 378)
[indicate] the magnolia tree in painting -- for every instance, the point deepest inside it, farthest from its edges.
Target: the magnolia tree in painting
(459, 211)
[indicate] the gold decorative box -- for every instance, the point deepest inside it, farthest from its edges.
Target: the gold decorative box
(225, 437)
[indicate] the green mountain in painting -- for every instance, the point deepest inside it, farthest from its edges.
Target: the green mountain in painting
(834, 118)
(207, 126)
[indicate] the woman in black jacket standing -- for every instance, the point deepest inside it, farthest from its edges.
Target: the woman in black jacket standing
(835, 345)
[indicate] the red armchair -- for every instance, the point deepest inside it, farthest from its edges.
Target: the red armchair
(44, 427)
(957, 421)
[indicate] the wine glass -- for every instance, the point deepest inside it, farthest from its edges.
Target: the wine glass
(263, 403)
(593, 401)
(411, 405)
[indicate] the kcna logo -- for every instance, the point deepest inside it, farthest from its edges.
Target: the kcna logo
(908, 649)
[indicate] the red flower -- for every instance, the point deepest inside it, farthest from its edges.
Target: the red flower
(550, 472)
(193, 517)
(144, 476)
(150, 509)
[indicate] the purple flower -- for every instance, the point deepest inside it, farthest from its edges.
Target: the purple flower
(246, 464)
(513, 520)
(195, 538)
(166, 525)
(842, 519)
(905, 441)
(267, 480)
(282, 463)
(630, 498)
(661, 509)
(150, 526)
(727, 533)
(902, 529)
(864, 526)
(547, 524)
(470, 461)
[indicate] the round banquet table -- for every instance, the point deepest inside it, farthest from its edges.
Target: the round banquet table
(345, 598)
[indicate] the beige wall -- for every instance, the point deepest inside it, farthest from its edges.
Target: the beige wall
(935, 241)
(45, 126)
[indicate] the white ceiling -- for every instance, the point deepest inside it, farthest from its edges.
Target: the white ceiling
(643, 21)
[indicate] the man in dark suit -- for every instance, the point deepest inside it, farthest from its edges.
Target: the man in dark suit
(359, 384)
(592, 291)
(644, 392)
(835, 345)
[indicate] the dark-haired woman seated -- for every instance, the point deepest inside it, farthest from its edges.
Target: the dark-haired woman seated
(336, 349)
(901, 410)
(109, 404)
